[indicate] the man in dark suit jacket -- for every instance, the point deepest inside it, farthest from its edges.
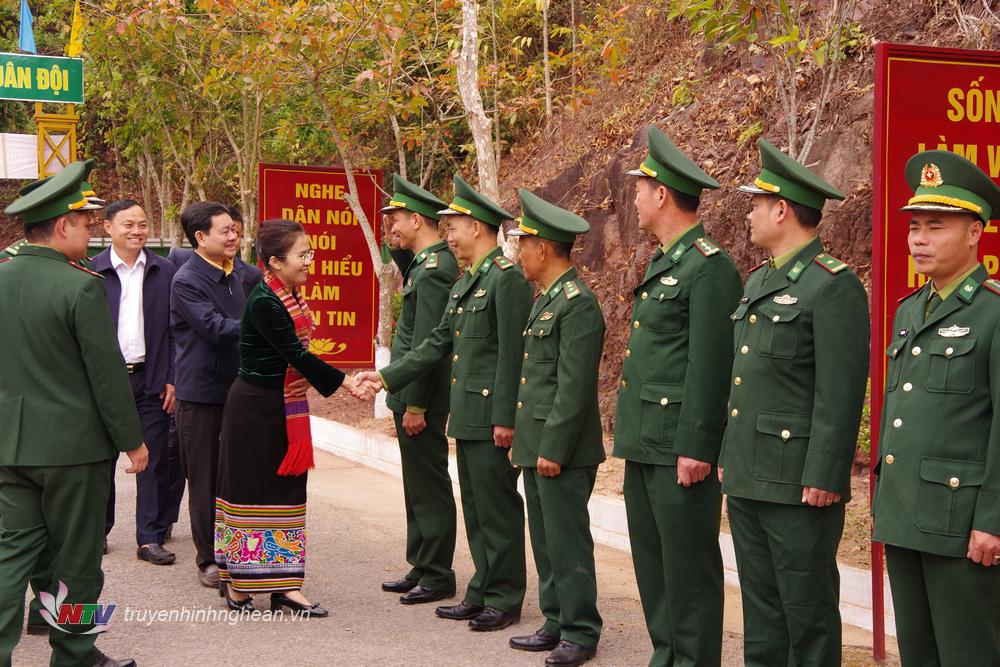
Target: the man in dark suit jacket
(137, 286)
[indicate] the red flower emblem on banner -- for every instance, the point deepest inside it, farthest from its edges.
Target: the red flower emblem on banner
(930, 176)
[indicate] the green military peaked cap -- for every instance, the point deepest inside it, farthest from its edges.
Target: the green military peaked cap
(669, 165)
(946, 181)
(54, 196)
(547, 221)
(414, 198)
(469, 202)
(781, 175)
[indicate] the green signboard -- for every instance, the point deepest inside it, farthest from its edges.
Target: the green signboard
(41, 78)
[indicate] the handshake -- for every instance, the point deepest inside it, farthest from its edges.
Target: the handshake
(364, 385)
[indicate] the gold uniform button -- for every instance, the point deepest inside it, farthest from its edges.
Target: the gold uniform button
(890, 459)
(753, 319)
(525, 355)
(455, 358)
(454, 380)
(628, 353)
(786, 434)
(520, 405)
(776, 318)
(738, 380)
(915, 351)
(664, 401)
(645, 295)
(744, 349)
(954, 482)
(459, 309)
(950, 351)
(635, 325)
(624, 383)
(735, 412)
(531, 332)
(907, 386)
(486, 392)
(457, 333)
(897, 422)
(524, 381)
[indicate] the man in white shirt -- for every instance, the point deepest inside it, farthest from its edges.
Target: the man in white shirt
(137, 282)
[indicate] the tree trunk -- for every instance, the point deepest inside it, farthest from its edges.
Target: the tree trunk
(545, 62)
(472, 102)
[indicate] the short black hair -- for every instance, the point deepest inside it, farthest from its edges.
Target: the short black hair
(807, 216)
(40, 231)
(685, 202)
(198, 218)
(235, 214)
(561, 249)
(116, 207)
(275, 237)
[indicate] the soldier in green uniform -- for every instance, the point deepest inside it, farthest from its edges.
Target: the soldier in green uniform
(421, 409)
(937, 499)
(799, 374)
(671, 411)
(481, 332)
(558, 439)
(68, 391)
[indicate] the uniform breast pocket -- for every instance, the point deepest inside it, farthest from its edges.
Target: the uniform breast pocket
(540, 345)
(953, 365)
(739, 323)
(661, 409)
(779, 331)
(664, 309)
(782, 444)
(895, 364)
(477, 318)
(948, 493)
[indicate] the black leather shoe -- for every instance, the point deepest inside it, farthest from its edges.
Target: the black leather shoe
(38, 629)
(420, 595)
(105, 661)
(155, 554)
(246, 604)
(493, 619)
(279, 600)
(401, 586)
(568, 654)
(540, 641)
(462, 611)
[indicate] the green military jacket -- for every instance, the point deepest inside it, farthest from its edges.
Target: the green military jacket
(481, 331)
(558, 417)
(65, 397)
(939, 442)
(801, 365)
(426, 291)
(675, 378)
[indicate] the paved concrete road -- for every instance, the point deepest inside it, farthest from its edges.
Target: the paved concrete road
(356, 540)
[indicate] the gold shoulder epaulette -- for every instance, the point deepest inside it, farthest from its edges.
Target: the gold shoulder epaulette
(707, 247)
(831, 264)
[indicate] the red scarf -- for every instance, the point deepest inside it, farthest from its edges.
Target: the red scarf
(299, 457)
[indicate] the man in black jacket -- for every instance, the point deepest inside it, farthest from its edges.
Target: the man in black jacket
(206, 304)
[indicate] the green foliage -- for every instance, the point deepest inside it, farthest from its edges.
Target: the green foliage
(865, 433)
(682, 95)
(751, 133)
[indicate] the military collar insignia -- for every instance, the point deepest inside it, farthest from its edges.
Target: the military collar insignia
(785, 300)
(954, 331)
(668, 280)
(555, 290)
(421, 257)
(678, 251)
(796, 271)
(930, 176)
(547, 315)
(479, 293)
(968, 289)
(745, 299)
(903, 333)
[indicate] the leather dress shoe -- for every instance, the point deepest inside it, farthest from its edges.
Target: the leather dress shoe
(459, 612)
(420, 595)
(155, 554)
(568, 654)
(105, 661)
(540, 641)
(209, 576)
(279, 600)
(401, 586)
(493, 619)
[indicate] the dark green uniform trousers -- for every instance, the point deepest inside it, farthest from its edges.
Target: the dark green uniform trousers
(61, 509)
(674, 533)
(430, 504)
(947, 609)
(559, 525)
(494, 525)
(786, 556)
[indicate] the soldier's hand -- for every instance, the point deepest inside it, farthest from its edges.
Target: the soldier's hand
(413, 423)
(503, 436)
(984, 548)
(363, 385)
(691, 471)
(719, 472)
(818, 497)
(139, 457)
(547, 468)
(168, 398)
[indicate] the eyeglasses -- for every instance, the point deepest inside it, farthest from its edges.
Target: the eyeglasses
(306, 256)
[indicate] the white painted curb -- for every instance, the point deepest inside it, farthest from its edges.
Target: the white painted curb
(608, 522)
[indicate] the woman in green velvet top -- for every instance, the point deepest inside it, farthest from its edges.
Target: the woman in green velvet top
(265, 447)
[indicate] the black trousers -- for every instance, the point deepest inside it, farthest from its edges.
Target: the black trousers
(175, 487)
(152, 484)
(199, 426)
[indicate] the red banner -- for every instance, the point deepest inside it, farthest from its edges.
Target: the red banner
(342, 291)
(925, 98)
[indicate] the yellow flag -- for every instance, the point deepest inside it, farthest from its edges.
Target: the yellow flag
(75, 46)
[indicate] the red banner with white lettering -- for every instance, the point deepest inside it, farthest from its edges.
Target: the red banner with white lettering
(342, 291)
(925, 98)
